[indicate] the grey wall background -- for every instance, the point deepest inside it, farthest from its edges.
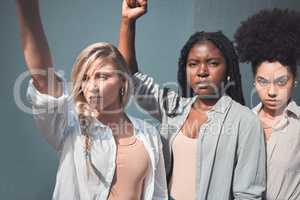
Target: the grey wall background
(28, 164)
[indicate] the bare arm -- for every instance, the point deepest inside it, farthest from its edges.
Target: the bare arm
(35, 48)
(131, 11)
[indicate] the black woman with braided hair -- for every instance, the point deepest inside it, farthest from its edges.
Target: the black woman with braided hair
(213, 145)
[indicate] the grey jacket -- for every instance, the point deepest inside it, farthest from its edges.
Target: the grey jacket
(231, 159)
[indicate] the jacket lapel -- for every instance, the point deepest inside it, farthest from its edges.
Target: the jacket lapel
(208, 144)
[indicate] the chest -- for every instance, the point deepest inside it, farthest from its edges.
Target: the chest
(283, 148)
(191, 126)
(132, 160)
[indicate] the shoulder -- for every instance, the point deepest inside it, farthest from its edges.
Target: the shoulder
(242, 113)
(294, 108)
(143, 126)
(244, 120)
(174, 104)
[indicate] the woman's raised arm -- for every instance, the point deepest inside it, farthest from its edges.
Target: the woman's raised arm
(131, 11)
(35, 47)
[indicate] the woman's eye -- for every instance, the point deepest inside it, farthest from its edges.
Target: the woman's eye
(101, 76)
(282, 82)
(213, 63)
(263, 82)
(192, 64)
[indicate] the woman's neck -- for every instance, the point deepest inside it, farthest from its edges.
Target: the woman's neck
(119, 123)
(111, 119)
(271, 114)
(204, 104)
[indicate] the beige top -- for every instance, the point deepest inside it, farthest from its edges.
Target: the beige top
(183, 181)
(132, 165)
(283, 156)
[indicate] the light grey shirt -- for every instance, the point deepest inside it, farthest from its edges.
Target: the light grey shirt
(283, 156)
(231, 148)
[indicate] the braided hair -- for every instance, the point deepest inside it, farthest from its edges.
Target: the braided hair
(232, 63)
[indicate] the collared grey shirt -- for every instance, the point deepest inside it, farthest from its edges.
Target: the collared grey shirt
(231, 160)
(283, 156)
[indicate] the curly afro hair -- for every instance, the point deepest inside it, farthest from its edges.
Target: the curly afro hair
(270, 35)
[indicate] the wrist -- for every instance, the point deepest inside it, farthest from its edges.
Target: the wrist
(127, 21)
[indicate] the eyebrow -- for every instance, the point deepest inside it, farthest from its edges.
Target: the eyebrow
(106, 74)
(278, 78)
(103, 72)
(214, 58)
(209, 59)
(261, 77)
(281, 77)
(97, 73)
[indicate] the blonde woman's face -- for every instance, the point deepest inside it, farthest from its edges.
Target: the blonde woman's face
(101, 87)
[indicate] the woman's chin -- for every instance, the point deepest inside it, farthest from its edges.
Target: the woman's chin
(206, 93)
(274, 106)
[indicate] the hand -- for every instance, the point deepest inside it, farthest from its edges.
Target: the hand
(133, 9)
(132, 3)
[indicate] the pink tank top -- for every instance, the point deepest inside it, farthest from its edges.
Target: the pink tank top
(132, 165)
(183, 181)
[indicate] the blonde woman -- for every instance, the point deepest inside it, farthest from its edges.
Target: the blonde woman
(104, 153)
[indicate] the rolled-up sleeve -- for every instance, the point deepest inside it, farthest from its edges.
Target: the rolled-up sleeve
(51, 114)
(249, 180)
(150, 96)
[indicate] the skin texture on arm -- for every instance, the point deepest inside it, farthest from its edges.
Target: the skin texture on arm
(131, 11)
(35, 48)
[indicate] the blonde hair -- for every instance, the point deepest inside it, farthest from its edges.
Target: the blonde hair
(103, 52)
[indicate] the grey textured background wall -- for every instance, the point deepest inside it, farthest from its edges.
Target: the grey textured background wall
(28, 164)
(212, 15)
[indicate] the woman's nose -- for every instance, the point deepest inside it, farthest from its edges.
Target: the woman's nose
(272, 91)
(202, 70)
(93, 87)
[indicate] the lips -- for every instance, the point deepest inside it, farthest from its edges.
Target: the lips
(202, 84)
(271, 102)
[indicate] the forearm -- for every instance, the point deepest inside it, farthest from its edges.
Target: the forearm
(34, 42)
(127, 43)
(35, 47)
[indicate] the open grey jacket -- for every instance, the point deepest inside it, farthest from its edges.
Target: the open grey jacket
(231, 161)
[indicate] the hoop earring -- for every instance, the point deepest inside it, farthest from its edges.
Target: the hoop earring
(295, 83)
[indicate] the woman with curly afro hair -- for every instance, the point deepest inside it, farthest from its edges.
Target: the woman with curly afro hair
(270, 41)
